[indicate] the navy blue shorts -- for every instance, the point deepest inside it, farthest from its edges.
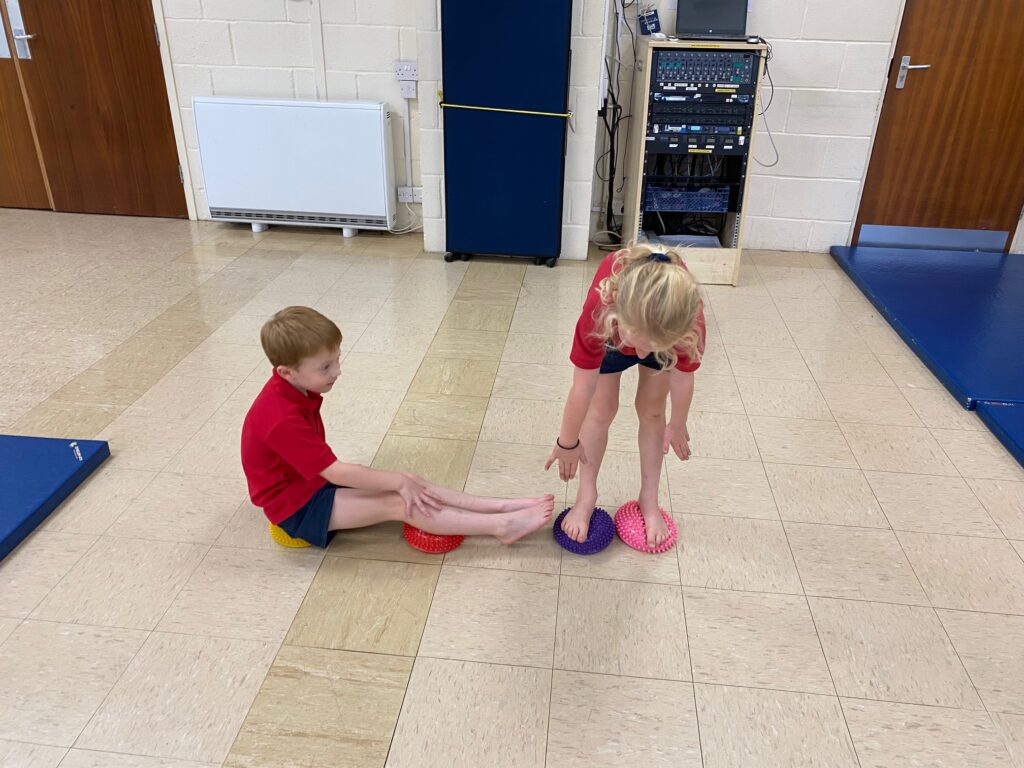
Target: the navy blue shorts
(312, 521)
(616, 362)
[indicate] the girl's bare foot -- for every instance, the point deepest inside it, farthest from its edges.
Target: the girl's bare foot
(523, 522)
(654, 523)
(514, 505)
(576, 524)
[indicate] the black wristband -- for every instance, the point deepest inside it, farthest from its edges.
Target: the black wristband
(565, 448)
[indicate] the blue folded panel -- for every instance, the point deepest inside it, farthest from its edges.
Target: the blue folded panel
(1006, 420)
(36, 475)
(962, 313)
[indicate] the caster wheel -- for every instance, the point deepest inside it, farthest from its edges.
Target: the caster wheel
(538, 261)
(449, 258)
(551, 262)
(464, 257)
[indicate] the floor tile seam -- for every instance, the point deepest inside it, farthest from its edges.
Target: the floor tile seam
(959, 658)
(551, 669)
(551, 680)
(910, 562)
(135, 497)
(184, 583)
(828, 666)
(672, 585)
(935, 608)
(64, 577)
(689, 658)
(959, 473)
(894, 529)
(416, 655)
(803, 589)
(110, 690)
(436, 581)
(252, 703)
(850, 447)
(820, 596)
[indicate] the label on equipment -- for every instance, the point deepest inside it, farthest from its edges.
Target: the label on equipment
(699, 151)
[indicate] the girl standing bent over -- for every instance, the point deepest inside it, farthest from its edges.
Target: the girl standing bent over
(643, 308)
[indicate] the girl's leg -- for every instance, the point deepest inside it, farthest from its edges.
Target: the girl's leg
(594, 436)
(484, 503)
(354, 508)
(651, 394)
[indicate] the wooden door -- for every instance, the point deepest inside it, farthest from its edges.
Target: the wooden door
(949, 150)
(21, 177)
(96, 90)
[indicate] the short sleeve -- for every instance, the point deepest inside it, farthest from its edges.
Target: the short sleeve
(587, 349)
(684, 363)
(297, 443)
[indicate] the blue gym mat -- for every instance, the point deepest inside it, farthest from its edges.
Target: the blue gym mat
(1006, 420)
(36, 475)
(962, 312)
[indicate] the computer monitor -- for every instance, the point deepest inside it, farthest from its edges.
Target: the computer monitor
(712, 18)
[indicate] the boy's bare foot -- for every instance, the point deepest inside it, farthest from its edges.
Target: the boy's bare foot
(576, 524)
(523, 522)
(654, 523)
(514, 505)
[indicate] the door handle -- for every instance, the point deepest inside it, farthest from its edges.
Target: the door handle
(906, 66)
(21, 37)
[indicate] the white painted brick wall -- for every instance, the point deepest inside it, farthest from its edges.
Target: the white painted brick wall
(386, 12)
(268, 48)
(257, 82)
(864, 67)
(829, 69)
(341, 86)
(299, 10)
(252, 10)
(338, 11)
(873, 20)
(200, 42)
(817, 199)
(192, 81)
(360, 49)
(263, 44)
(305, 84)
(183, 9)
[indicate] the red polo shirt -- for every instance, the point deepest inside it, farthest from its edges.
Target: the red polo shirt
(588, 349)
(284, 448)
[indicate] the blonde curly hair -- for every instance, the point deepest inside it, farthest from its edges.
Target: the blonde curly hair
(648, 294)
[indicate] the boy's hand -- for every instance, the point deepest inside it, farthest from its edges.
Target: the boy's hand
(417, 497)
(568, 460)
(677, 437)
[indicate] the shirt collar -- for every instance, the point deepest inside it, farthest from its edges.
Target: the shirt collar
(310, 401)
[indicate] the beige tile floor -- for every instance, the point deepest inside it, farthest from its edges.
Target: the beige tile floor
(849, 588)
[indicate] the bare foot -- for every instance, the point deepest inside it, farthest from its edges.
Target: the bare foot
(514, 505)
(654, 523)
(576, 524)
(523, 522)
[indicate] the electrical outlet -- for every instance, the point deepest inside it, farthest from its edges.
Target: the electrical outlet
(406, 70)
(407, 88)
(410, 194)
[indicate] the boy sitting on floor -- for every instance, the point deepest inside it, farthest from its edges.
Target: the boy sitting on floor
(307, 492)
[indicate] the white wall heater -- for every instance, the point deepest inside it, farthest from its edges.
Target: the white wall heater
(309, 163)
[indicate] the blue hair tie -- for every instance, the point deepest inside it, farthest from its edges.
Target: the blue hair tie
(660, 257)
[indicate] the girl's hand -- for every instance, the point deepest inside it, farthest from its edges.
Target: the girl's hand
(677, 437)
(568, 460)
(416, 496)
